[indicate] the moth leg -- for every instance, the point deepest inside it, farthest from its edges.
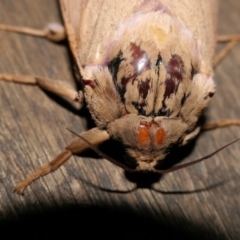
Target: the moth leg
(55, 86)
(232, 42)
(54, 31)
(95, 136)
(221, 123)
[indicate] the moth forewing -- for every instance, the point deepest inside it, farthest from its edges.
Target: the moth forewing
(147, 69)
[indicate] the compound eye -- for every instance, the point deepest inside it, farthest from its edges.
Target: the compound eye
(143, 134)
(160, 136)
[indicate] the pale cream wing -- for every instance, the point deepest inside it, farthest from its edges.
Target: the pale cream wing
(200, 17)
(91, 25)
(72, 12)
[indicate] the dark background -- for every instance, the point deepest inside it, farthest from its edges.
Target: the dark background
(200, 202)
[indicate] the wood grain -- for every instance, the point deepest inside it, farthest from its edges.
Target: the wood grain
(70, 201)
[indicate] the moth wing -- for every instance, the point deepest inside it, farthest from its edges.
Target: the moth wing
(91, 26)
(201, 18)
(72, 11)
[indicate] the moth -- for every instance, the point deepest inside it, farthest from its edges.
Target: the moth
(147, 73)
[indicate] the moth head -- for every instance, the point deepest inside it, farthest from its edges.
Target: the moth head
(147, 140)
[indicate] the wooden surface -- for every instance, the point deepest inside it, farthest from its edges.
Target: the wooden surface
(70, 201)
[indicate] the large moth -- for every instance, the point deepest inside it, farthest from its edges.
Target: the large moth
(146, 68)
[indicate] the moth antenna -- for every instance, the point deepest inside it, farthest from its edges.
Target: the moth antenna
(103, 155)
(118, 191)
(195, 161)
(107, 189)
(212, 186)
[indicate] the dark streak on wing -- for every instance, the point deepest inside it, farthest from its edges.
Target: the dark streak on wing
(175, 74)
(158, 63)
(143, 87)
(113, 65)
(141, 61)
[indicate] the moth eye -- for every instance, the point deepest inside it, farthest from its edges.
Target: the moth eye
(160, 136)
(143, 134)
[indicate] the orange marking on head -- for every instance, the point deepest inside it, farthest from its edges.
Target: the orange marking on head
(143, 134)
(160, 136)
